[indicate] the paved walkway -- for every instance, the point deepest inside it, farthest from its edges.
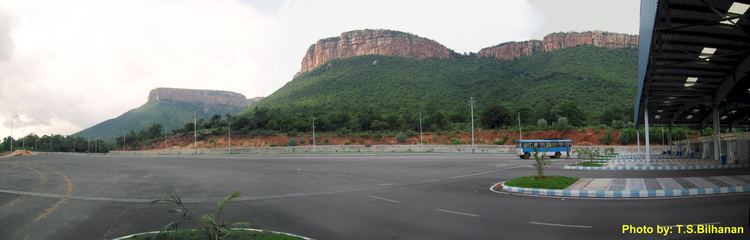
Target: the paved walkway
(628, 184)
(644, 187)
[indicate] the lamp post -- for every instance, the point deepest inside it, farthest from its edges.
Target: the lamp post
(11, 131)
(471, 103)
(420, 129)
(313, 133)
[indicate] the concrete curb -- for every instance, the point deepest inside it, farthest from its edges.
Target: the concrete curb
(626, 193)
(654, 160)
(657, 168)
(240, 229)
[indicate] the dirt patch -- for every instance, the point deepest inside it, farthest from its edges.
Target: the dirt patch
(19, 153)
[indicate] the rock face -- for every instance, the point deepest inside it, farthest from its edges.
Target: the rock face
(555, 41)
(198, 96)
(511, 50)
(372, 42)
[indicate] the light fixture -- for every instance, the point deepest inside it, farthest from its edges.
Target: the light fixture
(736, 9)
(672, 98)
(690, 81)
(733, 111)
(696, 110)
(657, 117)
(689, 116)
(706, 53)
(660, 111)
(723, 117)
(667, 102)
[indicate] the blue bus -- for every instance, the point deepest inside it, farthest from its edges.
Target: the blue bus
(549, 147)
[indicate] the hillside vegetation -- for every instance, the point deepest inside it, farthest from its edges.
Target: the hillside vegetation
(585, 85)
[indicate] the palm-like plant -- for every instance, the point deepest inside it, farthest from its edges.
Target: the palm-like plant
(209, 223)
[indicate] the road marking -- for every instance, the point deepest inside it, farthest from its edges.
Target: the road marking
(459, 213)
(519, 166)
(472, 174)
(694, 224)
(63, 198)
(386, 184)
(384, 199)
(561, 225)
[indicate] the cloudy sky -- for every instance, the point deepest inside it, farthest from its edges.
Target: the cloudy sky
(67, 65)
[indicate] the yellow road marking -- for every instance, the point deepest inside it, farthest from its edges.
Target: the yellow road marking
(61, 201)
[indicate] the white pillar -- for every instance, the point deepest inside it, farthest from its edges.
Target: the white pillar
(717, 134)
(669, 139)
(648, 135)
(638, 140)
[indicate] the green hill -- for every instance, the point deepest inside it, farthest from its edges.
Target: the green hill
(586, 84)
(170, 114)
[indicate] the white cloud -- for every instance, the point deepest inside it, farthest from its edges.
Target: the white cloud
(72, 64)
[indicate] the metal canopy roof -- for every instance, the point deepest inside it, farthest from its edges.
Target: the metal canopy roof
(694, 54)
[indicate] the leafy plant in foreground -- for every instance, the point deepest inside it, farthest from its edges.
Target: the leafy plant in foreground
(210, 223)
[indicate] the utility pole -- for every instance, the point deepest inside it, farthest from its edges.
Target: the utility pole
(520, 136)
(195, 133)
(313, 135)
(229, 126)
(471, 103)
(420, 129)
(11, 132)
(123, 140)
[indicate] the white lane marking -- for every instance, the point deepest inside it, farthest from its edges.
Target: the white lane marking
(384, 199)
(694, 224)
(386, 184)
(472, 174)
(519, 166)
(459, 213)
(561, 225)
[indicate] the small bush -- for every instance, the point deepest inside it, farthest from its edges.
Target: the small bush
(401, 137)
(627, 136)
(292, 142)
(607, 138)
(542, 124)
(455, 141)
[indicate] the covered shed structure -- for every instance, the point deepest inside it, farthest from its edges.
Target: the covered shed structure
(694, 70)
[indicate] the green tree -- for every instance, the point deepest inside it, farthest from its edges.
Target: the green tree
(494, 117)
(542, 124)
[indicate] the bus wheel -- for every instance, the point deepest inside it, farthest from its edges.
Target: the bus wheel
(557, 154)
(525, 156)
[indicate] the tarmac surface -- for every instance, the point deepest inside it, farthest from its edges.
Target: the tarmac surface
(74, 196)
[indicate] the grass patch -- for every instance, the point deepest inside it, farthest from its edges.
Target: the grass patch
(589, 164)
(233, 235)
(549, 182)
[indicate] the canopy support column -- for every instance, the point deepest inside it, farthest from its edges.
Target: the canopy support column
(717, 134)
(648, 135)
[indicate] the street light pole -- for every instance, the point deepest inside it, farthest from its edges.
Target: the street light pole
(420, 129)
(195, 134)
(471, 102)
(313, 135)
(520, 136)
(229, 126)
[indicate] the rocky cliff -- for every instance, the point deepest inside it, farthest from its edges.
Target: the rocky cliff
(555, 41)
(372, 42)
(198, 96)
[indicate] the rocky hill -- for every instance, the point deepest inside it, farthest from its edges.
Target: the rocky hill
(170, 107)
(372, 42)
(198, 96)
(556, 41)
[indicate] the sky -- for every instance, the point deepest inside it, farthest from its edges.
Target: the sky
(68, 65)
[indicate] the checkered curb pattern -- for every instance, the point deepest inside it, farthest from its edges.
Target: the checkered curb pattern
(657, 168)
(627, 193)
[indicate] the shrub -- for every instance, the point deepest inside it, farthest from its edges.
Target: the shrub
(401, 137)
(627, 136)
(561, 124)
(542, 124)
(607, 138)
(455, 141)
(292, 142)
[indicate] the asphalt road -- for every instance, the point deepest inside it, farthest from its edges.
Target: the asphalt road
(331, 197)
